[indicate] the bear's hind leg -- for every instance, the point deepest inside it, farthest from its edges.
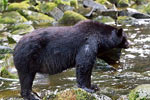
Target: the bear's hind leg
(26, 81)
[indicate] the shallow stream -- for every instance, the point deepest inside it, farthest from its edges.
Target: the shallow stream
(134, 69)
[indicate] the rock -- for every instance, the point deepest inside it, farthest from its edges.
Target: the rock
(46, 7)
(112, 13)
(104, 19)
(91, 3)
(83, 10)
(65, 7)
(123, 97)
(142, 92)
(21, 28)
(101, 1)
(69, 3)
(38, 19)
(56, 13)
(12, 17)
(71, 18)
(140, 2)
(124, 20)
(133, 13)
(74, 94)
(123, 3)
(18, 6)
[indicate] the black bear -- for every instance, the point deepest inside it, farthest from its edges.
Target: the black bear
(54, 49)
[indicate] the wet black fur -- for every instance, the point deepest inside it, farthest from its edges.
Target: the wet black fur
(54, 49)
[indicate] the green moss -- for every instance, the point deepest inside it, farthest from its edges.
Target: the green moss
(74, 94)
(4, 73)
(21, 29)
(73, 3)
(38, 19)
(18, 6)
(142, 92)
(101, 1)
(147, 8)
(11, 18)
(104, 19)
(46, 7)
(71, 18)
(123, 3)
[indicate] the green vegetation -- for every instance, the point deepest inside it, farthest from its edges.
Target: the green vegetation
(3, 5)
(21, 29)
(46, 7)
(5, 73)
(18, 6)
(11, 18)
(74, 94)
(142, 92)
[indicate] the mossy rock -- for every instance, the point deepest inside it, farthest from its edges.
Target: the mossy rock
(123, 3)
(2, 26)
(21, 29)
(73, 3)
(38, 19)
(147, 9)
(18, 6)
(46, 7)
(142, 92)
(120, 3)
(74, 94)
(124, 20)
(101, 1)
(5, 73)
(12, 18)
(104, 19)
(139, 2)
(71, 18)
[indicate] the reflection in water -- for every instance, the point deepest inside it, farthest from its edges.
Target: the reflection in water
(134, 70)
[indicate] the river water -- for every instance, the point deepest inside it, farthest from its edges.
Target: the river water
(133, 70)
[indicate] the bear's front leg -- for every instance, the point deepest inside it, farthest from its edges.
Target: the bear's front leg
(85, 60)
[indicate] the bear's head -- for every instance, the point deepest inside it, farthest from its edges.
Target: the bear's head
(123, 37)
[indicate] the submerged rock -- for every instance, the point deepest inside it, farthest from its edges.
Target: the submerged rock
(71, 18)
(12, 17)
(142, 92)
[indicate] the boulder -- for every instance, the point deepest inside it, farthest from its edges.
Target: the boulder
(141, 92)
(38, 19)
(71, 18)
(12, 17)
(18, 6)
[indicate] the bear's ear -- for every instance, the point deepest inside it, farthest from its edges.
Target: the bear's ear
(120, 31)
